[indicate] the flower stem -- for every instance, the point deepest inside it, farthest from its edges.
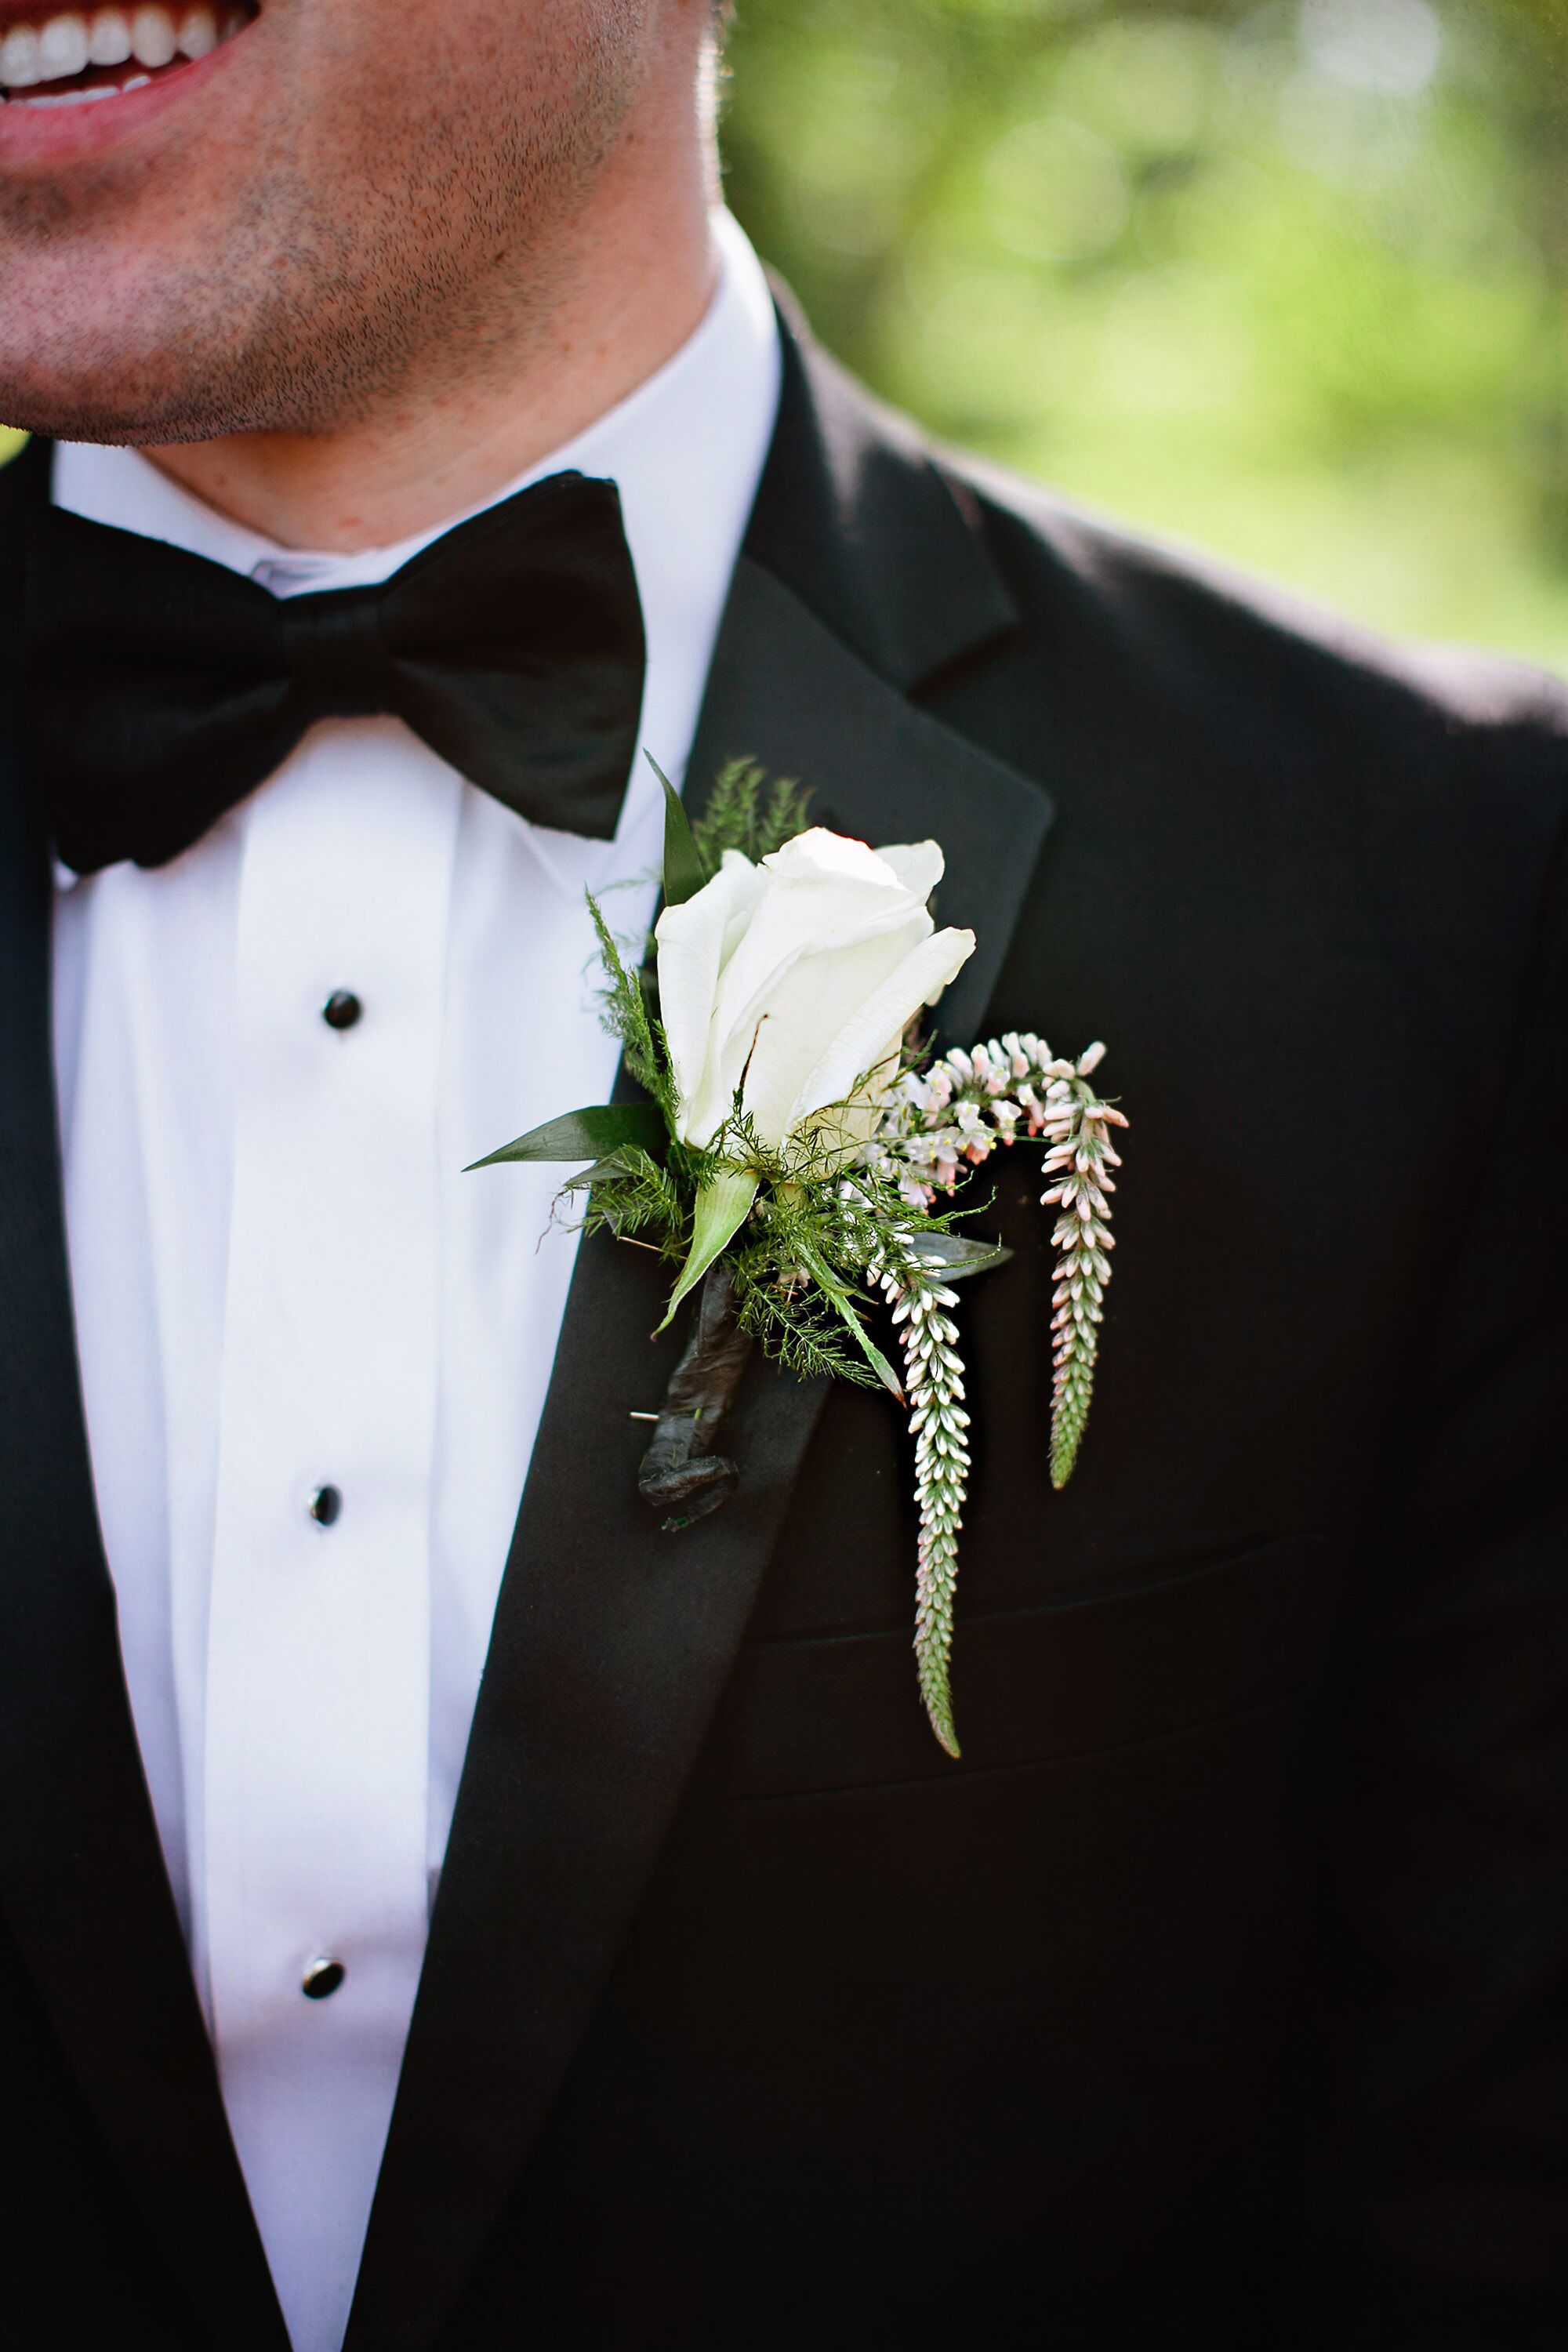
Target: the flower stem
(683, 1472)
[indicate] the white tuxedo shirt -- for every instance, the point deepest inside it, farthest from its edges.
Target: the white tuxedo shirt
(285, 1283)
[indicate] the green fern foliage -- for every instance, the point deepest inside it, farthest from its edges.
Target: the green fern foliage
(627, 1017)
(748, 811)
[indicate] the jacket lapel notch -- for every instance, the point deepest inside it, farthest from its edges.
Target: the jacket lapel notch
(612, 1643)
(82, 1879)
(853, 514)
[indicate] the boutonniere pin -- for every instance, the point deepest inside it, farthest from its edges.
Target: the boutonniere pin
(796, 1150)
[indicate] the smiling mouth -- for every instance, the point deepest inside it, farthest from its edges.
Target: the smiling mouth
(83, 56)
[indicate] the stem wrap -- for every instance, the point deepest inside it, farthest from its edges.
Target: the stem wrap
(681, 1473)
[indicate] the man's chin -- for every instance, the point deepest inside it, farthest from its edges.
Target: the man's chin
(109, 397)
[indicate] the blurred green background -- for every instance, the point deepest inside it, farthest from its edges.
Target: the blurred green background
(1286, 280)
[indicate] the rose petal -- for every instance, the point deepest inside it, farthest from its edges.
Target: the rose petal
(872, 1033)
(818, 855)
(799, 1017)
(695, 942)
(918, 864)
(825, 896)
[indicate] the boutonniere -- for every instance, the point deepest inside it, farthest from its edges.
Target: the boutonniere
(798, 1149)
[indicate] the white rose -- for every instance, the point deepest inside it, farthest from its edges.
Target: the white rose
(801, 973)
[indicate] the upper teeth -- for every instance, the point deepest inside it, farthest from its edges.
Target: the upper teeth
(68, 45)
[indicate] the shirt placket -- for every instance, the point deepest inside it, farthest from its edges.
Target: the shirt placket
(311, 1925)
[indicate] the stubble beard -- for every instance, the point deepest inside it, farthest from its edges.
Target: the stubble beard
(330, 299)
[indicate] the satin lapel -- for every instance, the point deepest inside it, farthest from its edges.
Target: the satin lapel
(82, 1880)
(612, 1641)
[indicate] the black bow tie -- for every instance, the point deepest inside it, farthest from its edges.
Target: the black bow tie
(162, 688)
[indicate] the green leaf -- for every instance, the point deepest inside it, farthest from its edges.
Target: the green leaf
(684, 872)
(956, 1256)
(827, 1281)
(723, 1204)
(867, 1346)
(591, 1134)
(603, 1171)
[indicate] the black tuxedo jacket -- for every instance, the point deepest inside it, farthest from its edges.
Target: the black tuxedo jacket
(1216, 1998)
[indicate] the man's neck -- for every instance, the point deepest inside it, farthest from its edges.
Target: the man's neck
(629, 303)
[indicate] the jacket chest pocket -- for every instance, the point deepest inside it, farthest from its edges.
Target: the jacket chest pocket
(1030, 1685)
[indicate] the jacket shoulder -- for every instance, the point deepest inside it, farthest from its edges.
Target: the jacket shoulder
(1184, 636)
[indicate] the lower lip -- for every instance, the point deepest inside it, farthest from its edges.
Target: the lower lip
(51, 135)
